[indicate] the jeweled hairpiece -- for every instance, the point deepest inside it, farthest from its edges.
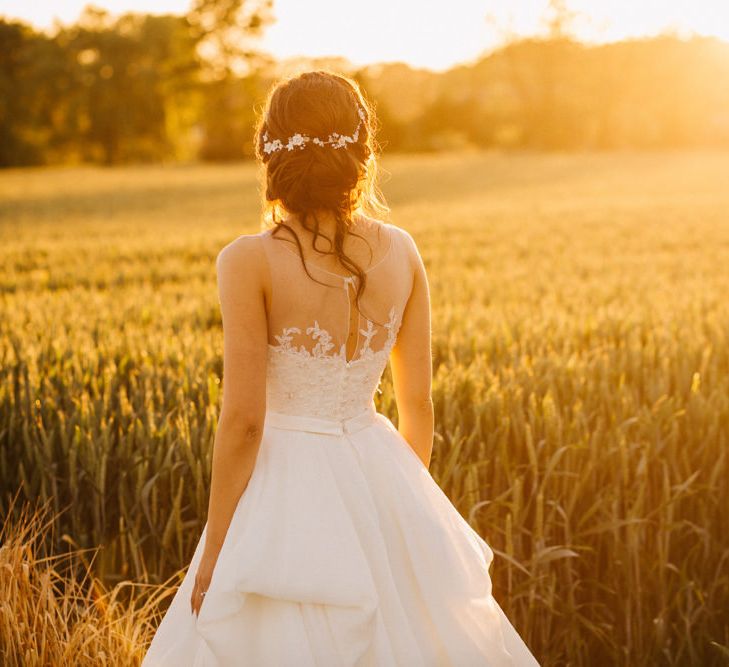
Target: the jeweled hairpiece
(299, 140)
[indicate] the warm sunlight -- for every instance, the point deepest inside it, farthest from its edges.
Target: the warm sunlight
(388, 332)
(422, 33)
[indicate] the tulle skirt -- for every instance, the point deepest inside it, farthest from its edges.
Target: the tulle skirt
(342, 551)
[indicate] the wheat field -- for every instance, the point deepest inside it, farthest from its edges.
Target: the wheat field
(581, 388)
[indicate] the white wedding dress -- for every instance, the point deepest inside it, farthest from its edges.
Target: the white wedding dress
(342, 551)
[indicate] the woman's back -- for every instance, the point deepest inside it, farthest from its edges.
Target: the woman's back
(326, 355)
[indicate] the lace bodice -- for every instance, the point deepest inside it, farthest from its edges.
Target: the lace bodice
(308, 369)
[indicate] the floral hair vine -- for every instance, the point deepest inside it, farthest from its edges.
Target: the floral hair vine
(300, 140)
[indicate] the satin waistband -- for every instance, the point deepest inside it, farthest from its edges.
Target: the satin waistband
(320, 424)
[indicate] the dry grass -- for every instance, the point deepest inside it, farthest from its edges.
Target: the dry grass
(581, 378)
(55, 612)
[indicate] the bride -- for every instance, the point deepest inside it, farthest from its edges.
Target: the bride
(328, 542)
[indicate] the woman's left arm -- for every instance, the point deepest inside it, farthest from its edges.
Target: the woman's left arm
(240, 270)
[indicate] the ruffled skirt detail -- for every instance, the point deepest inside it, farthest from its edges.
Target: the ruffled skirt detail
(342, 552)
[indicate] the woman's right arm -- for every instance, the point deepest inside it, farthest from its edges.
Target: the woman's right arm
(411, 362)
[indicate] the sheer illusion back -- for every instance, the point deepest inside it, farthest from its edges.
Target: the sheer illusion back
(326, 356)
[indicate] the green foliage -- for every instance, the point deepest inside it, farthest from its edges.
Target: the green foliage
(229, 117)
(32, 80)
(104, 91)
(146, 88)
(557, 94)
(133, 80)
(227, 30)
(581, 376)
(139, 88)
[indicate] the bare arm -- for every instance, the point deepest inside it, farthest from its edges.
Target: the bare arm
(411, 362)
(240, 425)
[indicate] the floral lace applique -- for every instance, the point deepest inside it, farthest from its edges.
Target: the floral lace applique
(285, 338)
(324, 341)
(368, 333)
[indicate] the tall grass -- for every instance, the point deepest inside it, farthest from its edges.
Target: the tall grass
(54, 609)
(581, 376)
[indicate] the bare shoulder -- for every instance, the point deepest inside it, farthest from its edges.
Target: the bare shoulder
(406, 236)
(394, 229)
(246, 247)
(409, 242)
(243, 255)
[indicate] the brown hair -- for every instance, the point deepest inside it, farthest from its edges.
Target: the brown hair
(301, 181)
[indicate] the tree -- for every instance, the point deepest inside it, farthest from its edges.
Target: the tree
(541, 69)
(131, 77)
(32, 82)
(226, 31)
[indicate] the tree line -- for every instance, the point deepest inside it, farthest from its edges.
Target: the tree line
(164, 87)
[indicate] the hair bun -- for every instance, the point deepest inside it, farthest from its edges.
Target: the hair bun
(306, 176)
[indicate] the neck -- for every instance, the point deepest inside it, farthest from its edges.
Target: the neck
(327, 221)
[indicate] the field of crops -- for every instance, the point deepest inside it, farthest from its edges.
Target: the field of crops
(581, 386)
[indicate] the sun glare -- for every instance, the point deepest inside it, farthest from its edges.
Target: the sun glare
(420, 32)
(618, 19)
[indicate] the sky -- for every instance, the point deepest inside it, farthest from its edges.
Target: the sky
(423, 33)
